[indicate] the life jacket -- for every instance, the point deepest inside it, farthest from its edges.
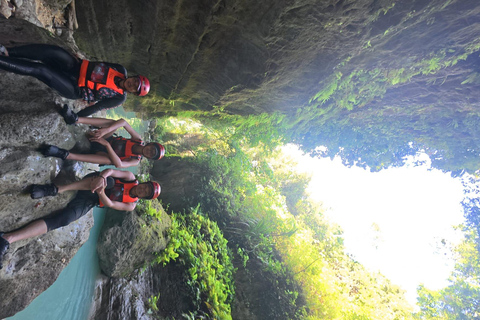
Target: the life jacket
(121, 192)
(123, 147)
(96, 76)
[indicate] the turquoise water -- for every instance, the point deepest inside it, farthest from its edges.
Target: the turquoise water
(71, 296)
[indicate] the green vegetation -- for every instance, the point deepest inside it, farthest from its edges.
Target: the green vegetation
(293, 257)
(198, 245)
(376, 105)
(460, 300)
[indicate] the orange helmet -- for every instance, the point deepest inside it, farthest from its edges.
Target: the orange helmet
(156, 189)
(143, 86)
(160, 150)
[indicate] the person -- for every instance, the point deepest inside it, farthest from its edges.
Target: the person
(103, 85)
(107, 149)
(111, 188)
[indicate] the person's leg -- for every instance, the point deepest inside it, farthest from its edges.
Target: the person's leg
(96, 122)
(83, 184)
(53, 56)
(32, 229)
(79, 206)
(43, 190)
(97, 156)
(91, 158)
(59, 81)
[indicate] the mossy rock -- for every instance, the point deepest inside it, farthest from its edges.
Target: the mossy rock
(128, 242)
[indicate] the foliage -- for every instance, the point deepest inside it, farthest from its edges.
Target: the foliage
(285, 244)
(461, 299)
(152, 302)
(198, 244)
(471, 203)
(371, 112)
(148, 211)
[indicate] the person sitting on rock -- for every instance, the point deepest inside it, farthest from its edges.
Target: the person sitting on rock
(111, 188)
(104, 85)
(107, 149)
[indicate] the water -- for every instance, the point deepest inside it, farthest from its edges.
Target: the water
(71, 295)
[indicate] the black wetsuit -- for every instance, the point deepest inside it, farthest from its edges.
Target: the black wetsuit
(83, 202)
(60, 70)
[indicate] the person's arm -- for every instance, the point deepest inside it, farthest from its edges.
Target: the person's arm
(132, 162)
(114, 158)
(121, 206)
(126, 175)
(113, 126)
(103, 104)
(120, 174)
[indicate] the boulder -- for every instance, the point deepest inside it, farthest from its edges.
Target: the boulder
(28, 118)
(128, 242)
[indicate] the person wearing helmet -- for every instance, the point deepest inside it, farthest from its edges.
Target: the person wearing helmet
(103, 85)
(111, 188)
(109, 150)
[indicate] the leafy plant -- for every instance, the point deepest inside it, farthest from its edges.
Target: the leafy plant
(198, 244)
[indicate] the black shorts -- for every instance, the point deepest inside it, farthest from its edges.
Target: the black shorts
(83, 202)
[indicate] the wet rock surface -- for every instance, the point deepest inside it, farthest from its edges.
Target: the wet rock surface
(29, 118)
(119, 299)
(179, 180)
(127, 242)
(248, 57)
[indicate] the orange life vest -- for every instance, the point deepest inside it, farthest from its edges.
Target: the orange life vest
(105, 81)
(123, 147)
(121, 192)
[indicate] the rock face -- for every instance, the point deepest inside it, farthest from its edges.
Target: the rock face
(342, 71)
(28, 118)
(119, 299)
(127, 242)
(178, 179)
(204, 53)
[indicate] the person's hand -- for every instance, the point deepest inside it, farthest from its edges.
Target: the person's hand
(99, 133)
(98, 183)
(102, 141)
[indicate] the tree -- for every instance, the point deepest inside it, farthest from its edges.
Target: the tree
(461, 299)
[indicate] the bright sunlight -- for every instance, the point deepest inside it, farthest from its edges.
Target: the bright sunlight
(398, 221)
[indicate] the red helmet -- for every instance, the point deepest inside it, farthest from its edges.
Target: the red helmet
(143, 86)
(160, 150)
(156, 189)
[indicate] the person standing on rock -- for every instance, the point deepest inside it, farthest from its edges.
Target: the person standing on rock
(112, 188)
(104, 85)
(107, 149)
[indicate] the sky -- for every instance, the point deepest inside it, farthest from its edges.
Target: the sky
(393, 220)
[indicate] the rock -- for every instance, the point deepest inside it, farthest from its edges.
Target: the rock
(119, 299)
(6, 8)
(179, 180)
(123, 299)
(31, 266)
(34, 128)
(127, 242)
(28, 118)
(57, 4)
